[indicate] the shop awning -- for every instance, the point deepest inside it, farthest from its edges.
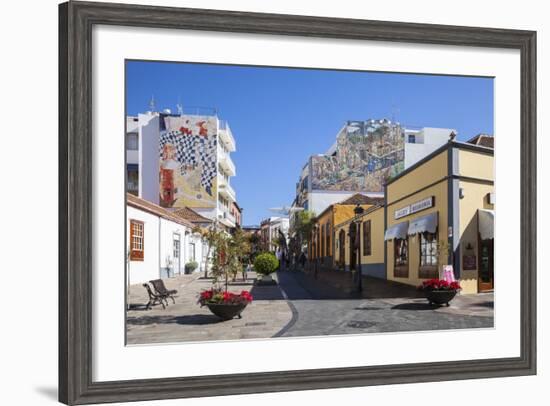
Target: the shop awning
(399, 230)
(486, 224)
(427, 223)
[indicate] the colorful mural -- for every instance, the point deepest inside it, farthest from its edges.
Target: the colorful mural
(188, 167)
(367, 154)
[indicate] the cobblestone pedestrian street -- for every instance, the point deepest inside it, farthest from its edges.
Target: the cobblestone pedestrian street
(298, 306)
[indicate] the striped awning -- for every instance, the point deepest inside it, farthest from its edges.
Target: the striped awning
(486, 224)
(427, 223)
(398, 230)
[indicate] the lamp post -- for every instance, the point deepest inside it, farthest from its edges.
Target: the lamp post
(316, 247)
(358, 211)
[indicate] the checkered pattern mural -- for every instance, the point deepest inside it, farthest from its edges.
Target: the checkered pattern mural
(188, 161)
(192, 151)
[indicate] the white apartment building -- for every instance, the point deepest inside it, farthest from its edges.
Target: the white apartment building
(271, 230)
(182, 160)
(420, 143)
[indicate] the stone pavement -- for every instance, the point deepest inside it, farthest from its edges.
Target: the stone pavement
(300, 306)
(187, 321)
(383, 307)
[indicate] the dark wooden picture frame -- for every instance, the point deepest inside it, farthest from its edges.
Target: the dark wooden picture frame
(76, 20)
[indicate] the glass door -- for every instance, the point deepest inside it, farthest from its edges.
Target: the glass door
(486, 265)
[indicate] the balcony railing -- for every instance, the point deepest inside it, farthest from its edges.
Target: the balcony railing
(226, 135)
(226, 162)
(227, 190)
(227, 218)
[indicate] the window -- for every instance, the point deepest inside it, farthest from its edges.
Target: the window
(428, 256)
(136, 240)
(132, 179)
(323, 252)
(366, 238)
(342, 248)
(317, 244)
(191, 251)
(132, 142)
(327, 238)
(412, 139)
(176, 247)
(401, 258)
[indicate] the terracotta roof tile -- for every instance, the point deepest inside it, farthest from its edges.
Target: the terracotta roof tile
(359, 198)
(484, 140)
(152, 208)
(191, 215)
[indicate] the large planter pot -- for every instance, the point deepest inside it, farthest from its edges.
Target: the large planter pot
(440, 297)
(226, 311)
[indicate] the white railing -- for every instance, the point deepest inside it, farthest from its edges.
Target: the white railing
(226, 162)
(226, 188)
(227, 135)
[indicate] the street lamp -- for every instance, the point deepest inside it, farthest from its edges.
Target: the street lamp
(316, 247)
(358, 211)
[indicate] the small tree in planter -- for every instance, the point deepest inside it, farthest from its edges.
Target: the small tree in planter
(228, 251)
(191, 266)
(265, 264)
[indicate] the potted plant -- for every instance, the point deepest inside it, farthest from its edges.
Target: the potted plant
(225, 305)
(265, 264)
(439, 291)
(191, 266)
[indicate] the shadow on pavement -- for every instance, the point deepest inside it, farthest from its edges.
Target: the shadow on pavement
(374, 288)
(194, 319)
(488, 304)
(415, 306)
(266, 292)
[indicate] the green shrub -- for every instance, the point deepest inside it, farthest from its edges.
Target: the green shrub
(266, 263)
(191, 266)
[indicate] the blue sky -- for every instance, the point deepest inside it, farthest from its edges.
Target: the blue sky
(279, 116)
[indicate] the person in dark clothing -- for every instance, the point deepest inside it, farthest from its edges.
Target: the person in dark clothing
(303, 260)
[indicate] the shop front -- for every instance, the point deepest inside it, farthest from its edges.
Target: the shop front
(440, 212)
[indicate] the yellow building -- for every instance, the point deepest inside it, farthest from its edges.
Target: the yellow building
(440, 211)
(321, 247)
(367, 230)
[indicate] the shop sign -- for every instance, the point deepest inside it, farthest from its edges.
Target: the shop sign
(447, 273)
(469, 262)
(414, 207)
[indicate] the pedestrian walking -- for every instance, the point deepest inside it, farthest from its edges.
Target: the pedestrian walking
(303, 260)
(246, 269)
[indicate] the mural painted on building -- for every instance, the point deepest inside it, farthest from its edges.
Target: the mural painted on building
(367, 154)
(188, 168)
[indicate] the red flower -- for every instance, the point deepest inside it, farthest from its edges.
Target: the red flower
(439, 284)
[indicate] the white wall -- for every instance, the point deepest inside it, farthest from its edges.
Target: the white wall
(149, 137)
(167, 230)
(427, 140)
(148, 269)
(30, 356)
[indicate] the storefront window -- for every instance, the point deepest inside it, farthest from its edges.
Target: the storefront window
(401, 258)
(366, 238)
(342, 248)
(428, 256)
(327, 239)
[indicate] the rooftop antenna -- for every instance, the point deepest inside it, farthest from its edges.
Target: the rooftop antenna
(152, 106)
(394, 113)
(179, 107)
